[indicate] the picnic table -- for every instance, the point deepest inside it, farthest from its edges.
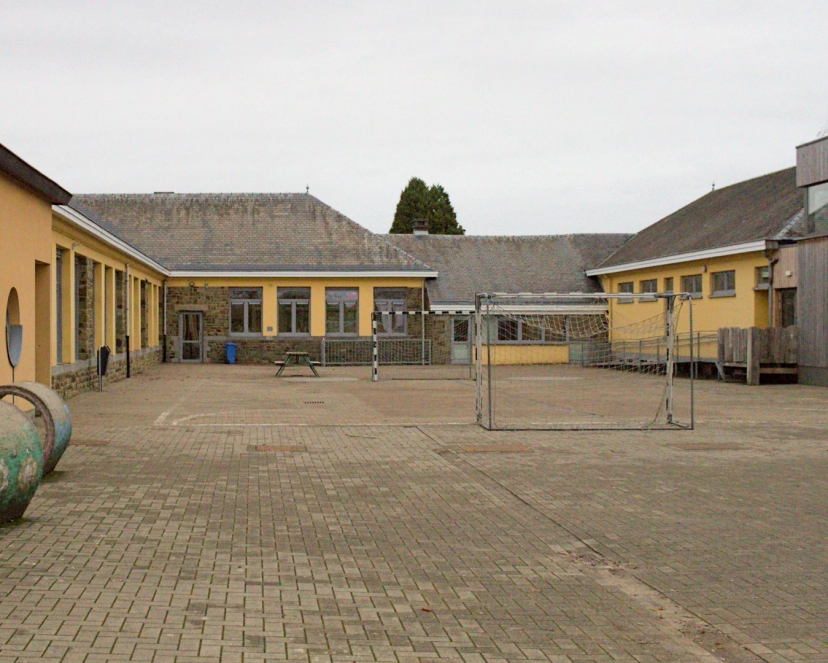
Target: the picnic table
(298, 358)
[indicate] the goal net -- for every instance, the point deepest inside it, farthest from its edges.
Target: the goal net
(583, 361)
(423, 345)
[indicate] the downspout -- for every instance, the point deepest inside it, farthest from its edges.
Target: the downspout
(128, 318)
(423, 323)
(771, 263)
(164, 335)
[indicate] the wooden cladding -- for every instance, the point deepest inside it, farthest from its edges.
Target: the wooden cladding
(812, 302)
(812, 162)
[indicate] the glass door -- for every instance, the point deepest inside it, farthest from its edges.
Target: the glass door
(460, 341)
(190, 332)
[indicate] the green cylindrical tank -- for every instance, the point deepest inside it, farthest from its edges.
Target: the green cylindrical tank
(55, 415)
(21, 462)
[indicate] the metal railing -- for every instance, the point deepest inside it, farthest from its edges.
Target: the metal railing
(392, 351)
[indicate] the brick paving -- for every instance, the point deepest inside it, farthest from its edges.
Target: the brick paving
(211, 513)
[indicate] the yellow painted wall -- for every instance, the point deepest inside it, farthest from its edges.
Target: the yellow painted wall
(747, 308)
(75, 241)
(709, 313)
(526, 354)
(25, 229)
(269, 287)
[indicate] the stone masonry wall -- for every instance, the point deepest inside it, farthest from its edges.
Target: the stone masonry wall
(85, 302)
(120, 312)
(71, 380)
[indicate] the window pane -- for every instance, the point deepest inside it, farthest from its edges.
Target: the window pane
(390, 293)
(293, 293)
(724, 281)
(532, 332)
(332, 318)
(237, 318)
(649, 285)
(692, 284)
(245, 293)
(254, 318)
(333, 295)
(350, 318)
(818, 208)
(625, 287)
(762, 276)
(461, 330)
(668, 284)
(284, 314)
(507, 330)
(302, 319)
(556, 329)
(398, 322)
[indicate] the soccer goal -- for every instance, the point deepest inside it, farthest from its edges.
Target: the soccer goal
(584, 361)
(423, 345)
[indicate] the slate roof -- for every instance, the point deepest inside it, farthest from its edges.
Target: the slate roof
(243, 232)
(471, 264)
(756, 209)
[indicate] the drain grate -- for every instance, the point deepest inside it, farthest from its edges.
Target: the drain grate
(314, 402)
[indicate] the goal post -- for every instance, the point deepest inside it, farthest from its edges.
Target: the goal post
(422, 345)
(583, 361)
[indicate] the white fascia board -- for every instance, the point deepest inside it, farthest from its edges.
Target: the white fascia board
(722, 251)
(526, 309)
(75, 218)
(299, 274)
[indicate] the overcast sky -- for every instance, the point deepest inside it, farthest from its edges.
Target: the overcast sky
(537, 117)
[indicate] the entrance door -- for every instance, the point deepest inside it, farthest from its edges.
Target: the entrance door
(190, 333)
(460, 340)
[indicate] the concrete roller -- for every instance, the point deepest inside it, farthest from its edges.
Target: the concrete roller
(55, 415)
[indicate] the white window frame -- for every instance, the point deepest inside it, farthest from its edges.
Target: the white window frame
(341, 304)
(693, 294)
(293, 302)
(245, 301)
(727, 292)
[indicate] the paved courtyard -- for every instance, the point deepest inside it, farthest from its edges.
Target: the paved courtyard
(213, 513)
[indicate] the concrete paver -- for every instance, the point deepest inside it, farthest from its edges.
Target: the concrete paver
(211, 513)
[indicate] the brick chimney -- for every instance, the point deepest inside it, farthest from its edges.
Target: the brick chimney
(420, 226)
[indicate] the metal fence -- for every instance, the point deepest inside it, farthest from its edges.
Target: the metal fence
(392, 351)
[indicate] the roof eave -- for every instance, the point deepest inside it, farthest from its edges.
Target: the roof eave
(732, 249)
(31, 177)
(309, 273)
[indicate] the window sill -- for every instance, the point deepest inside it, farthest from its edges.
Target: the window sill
(761, 287)
(728, 293)
(245, 335)
(341, 335)
(646, 298)
(293, 334)
(694, 295)
(625, 301)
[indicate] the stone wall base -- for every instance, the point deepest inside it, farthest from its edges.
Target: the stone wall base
(72, 379)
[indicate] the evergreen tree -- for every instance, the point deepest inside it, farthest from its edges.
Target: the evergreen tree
(413, 204)
(418, 201)
(442, 219)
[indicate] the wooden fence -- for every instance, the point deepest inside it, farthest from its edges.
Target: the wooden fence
(758, 351)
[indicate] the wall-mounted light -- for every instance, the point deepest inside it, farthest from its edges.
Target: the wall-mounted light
(192, 284)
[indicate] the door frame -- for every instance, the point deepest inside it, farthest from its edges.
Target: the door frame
(468, 342)
(200, 341)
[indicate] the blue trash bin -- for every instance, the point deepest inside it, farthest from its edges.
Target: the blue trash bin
(230, 352)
